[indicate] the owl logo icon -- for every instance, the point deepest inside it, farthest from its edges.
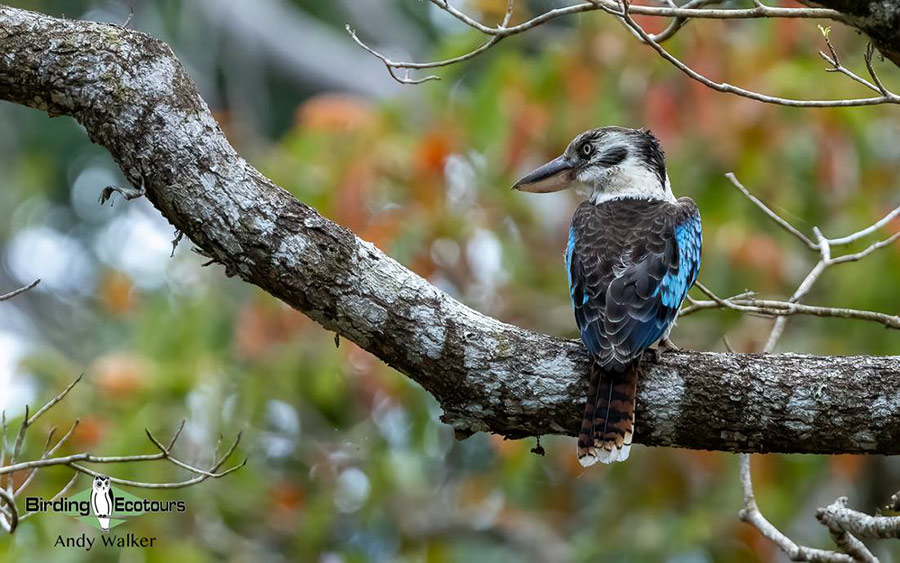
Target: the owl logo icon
(102, 500)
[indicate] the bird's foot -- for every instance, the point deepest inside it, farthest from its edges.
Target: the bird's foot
(665, 345)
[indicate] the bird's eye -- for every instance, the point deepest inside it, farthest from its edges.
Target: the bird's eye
(586, 150)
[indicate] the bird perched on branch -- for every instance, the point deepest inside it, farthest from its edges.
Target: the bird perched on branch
(633, 254)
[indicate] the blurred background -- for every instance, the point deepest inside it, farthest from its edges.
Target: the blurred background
(348, 460)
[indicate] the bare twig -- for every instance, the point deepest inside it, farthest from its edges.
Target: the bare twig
(847, 542)
(836, 66)
(774, 308)
(203, 475)
(772, 215)
(74, 460)
(747, 303)
(804, 288)
(870, 52)
(694, 9)
(868, 250)
(679, 22)
(831, 242)
(54, 400)
(717, 302)
(10, 521)
(15, 292)
(27, 421)
(9, 515)
(858, 523)
(66, 488)
(33, 472)
(393, 66)
(757, 12)
(625, 16)
(752, 515)
(868, 230)
(845, 526)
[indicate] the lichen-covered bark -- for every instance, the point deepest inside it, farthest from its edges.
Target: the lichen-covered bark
(879, 19)
(135, 99)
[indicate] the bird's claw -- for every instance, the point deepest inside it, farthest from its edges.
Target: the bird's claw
(666, 345)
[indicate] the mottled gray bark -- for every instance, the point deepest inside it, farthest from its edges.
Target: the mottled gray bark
(135, 99)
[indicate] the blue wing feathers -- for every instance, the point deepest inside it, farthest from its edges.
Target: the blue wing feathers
(630, 265)
(570, 247)
(676, 285)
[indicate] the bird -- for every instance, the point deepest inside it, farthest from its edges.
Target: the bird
(102, 500)
(633, 253)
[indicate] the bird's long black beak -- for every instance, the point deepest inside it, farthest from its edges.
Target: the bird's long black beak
(551, 177)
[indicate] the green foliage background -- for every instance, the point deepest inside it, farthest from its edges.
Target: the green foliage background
(348, 460)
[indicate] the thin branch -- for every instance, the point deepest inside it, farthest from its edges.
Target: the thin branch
(717, 302)
(867, 231)
(167, 454)
(20, 439)
(757, 12)
(858, 523)
(772, 215)
(846, 542)
(836, 66)
(844, 524)
(202, 475)
(68, 486)
(771, 308)
(869, 250)
(9, 516)
(15, 292)
(46, 454)
(681, 15)
(33, 472)
(679, 22)
(28, 421)
(823, 246)
(392, 66)
(74, 459)
(802, 289)
(10, 521)
(870, 52)
(54, 400)
(752, 515)
(625, 17)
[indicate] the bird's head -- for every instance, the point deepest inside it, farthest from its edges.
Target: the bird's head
(606, 163)
(101, 483)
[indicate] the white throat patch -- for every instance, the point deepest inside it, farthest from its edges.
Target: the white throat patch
(629, 179)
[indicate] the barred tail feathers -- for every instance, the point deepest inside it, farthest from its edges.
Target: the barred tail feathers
(608, 422)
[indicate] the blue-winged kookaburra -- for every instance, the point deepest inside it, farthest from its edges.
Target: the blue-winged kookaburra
(633, 253)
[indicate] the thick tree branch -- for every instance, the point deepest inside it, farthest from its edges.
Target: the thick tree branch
(135, 99)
